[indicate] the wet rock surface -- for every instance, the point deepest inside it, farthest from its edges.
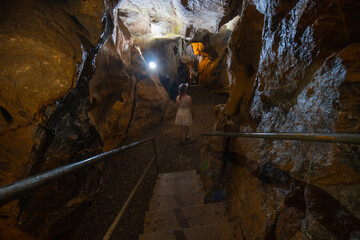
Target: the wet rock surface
(300, 81)
(46, 51)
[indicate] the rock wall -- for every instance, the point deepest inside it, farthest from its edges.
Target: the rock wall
(212, 60)
(293, 67)
(58, 107)
(46, 49)
(124, 95)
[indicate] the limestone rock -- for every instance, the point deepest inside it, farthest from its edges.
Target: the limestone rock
(170, 18)
(125, 97)
(10, 232)
(45, 49)
(244, 47)
(151, 103)
(298, 73)
(209, 59)
(111, 94)
(170, 111)
(40, 50)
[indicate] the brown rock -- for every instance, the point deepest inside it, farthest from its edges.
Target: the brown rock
(125, 96)
(245, 46)
(111, 95)
(303, 71)
(39, 53)
(9, 232)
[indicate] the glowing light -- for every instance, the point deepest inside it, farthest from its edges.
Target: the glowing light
(152, 65)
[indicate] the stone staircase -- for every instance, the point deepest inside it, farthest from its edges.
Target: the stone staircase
(177, 211)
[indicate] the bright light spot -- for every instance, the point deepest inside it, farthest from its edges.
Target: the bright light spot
(152, 65)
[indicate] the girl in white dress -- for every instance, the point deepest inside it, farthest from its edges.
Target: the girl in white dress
(185, 112)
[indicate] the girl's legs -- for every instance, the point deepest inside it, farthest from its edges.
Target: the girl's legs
(186, 132)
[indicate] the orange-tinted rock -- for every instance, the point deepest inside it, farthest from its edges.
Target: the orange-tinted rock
(10, 232)
(40, 50)
(209, 59)
(44, 47)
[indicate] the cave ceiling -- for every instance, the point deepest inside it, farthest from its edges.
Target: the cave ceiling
(169, 18)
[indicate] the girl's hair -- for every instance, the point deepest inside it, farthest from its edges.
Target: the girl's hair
(182, 88)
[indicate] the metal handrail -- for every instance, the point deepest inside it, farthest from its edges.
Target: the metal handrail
(18, 189)
(351, 138)
(126, 204)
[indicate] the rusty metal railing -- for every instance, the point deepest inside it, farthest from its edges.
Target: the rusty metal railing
(351, 138)
(18, 189)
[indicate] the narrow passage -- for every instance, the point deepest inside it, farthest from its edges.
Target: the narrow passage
(122, 173)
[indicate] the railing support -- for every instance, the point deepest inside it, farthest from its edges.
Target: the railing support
(351, 138)
(124, 207)
(156, 158)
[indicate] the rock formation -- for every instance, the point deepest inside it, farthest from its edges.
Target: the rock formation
(147, 20)
(55, 111)
(45, 49)
(72, 86)
(124, 95)
(293, 67)
(209, 59)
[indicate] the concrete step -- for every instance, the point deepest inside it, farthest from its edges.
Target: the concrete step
(224, 231)
(177, 180)
(169, 202)
(187, 217)
(181, 188)
(182, 174)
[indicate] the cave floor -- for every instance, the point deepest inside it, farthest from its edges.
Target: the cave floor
(122, 172)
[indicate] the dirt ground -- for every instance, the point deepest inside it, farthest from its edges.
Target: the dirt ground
(122, 172)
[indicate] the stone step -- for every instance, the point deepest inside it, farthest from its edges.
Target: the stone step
(187, 217)
(181, 188)
(177, 180)
(182, 174)
(169, 202)
(224, 231)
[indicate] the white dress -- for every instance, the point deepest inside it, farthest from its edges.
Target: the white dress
(183, 115)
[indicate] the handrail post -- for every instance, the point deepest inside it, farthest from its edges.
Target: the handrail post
(156, 158)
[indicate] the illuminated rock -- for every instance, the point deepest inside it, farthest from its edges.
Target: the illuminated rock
(125, 96)
(44, 45)
(171, 18)
(293, 68)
